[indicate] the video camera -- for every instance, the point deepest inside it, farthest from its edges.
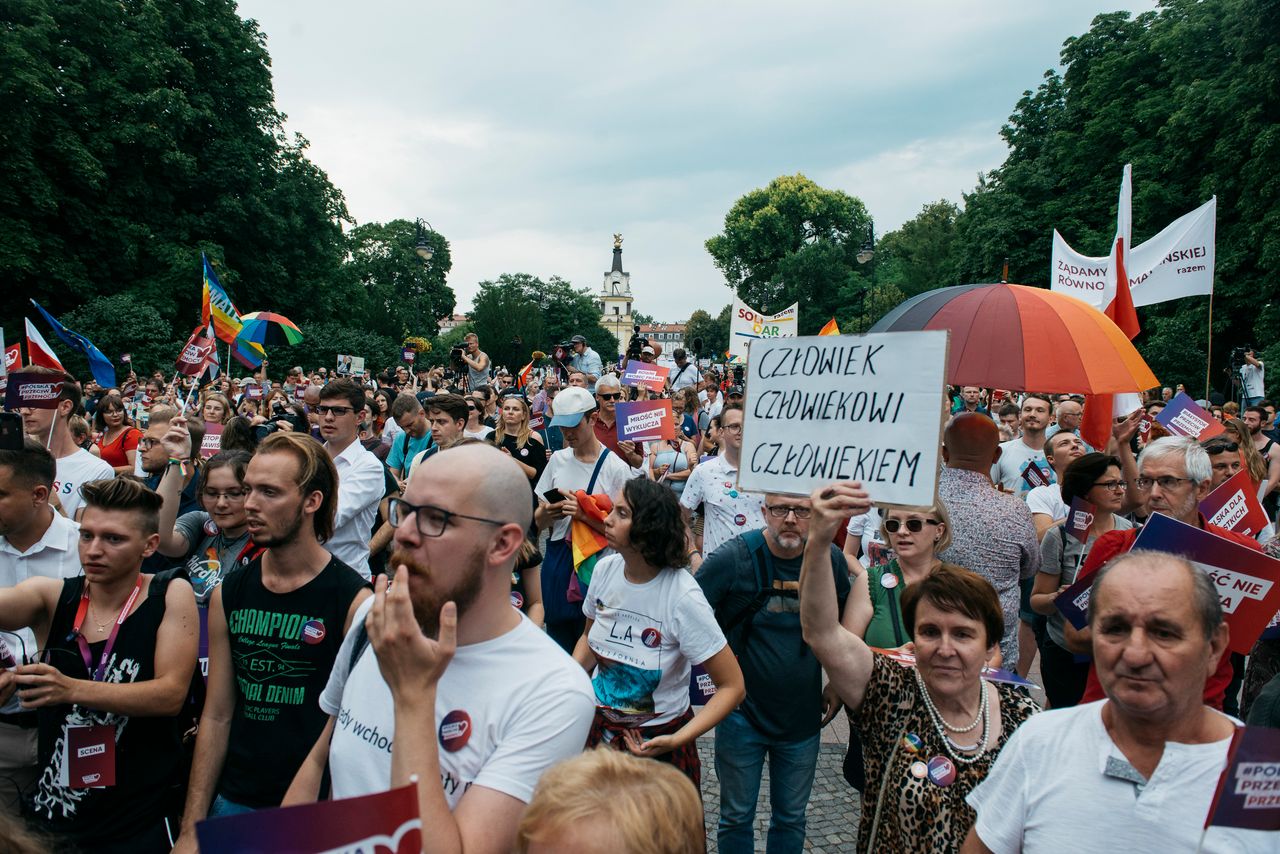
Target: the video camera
(455, 358)
(637, 344)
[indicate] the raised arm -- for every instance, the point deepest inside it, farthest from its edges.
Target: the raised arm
(177, 444)
(843, 655)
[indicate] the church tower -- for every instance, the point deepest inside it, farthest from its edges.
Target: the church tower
(615, 298)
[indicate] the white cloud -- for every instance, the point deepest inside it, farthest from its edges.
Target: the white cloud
(529, 133)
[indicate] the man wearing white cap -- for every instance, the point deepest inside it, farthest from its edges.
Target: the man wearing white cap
(584, 464)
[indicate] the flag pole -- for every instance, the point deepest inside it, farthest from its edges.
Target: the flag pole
(48, 443)
(1208, 362)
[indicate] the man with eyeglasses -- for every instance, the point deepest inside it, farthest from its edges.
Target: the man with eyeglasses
(608, 393)
(727, 510)
(753, 582)
(361, 483)
(276, 627)
(1176, 474)
(440, 678)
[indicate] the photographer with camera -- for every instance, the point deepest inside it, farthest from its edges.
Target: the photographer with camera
(473, 361)
(586, 360)
(1252, 375)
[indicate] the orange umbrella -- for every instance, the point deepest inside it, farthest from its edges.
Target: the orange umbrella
(1025, 339)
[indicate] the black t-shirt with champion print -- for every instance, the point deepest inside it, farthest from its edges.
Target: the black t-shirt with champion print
(282, 649)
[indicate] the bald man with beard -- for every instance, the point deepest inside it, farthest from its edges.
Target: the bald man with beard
(440, 676)
(991, 531)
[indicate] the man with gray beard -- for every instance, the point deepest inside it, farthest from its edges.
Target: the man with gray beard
(752, 582)
(440, 677)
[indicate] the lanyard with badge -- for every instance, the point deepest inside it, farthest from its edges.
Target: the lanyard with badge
(89, 751)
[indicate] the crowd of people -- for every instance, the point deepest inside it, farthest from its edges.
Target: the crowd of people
(247, 593)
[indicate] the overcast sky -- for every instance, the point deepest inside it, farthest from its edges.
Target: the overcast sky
(528, 133)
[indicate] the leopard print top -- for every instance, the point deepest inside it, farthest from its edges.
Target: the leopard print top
(917, 814)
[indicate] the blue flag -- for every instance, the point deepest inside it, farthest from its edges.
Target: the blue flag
(104, 373)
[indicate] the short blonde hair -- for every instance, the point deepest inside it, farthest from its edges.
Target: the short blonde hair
(650, 806)
(937, 511)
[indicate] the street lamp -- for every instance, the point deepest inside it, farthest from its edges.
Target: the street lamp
(865, 255)
(421, 245)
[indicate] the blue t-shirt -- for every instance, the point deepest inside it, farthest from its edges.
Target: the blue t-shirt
(400, 456)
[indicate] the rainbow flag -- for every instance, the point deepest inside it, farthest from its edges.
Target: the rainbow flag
(217, 307)
(587, 541)
(831, 328)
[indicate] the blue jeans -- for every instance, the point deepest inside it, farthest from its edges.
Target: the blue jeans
(740, 754)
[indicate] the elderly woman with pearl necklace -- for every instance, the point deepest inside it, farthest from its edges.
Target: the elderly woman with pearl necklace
(931, 731)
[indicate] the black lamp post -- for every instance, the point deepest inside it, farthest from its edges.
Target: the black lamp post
(422, 247)
(866, 255)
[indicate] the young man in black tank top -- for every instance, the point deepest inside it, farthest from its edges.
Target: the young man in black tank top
(275, 627)
(121, 649)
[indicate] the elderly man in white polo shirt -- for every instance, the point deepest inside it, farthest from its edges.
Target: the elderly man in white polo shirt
(727, 510)
(34, 541)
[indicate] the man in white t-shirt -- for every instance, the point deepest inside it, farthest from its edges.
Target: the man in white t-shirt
(361, 482)
(1252, 375)
(684, 374)
(49, 427)
(34, 541)
(440, 677)
(1045, 502)
(727, 510)
(1027, 449)
(583, 464)
(1136, 771)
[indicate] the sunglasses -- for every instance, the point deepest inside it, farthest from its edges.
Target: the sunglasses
(915, 526)
(610, 396)
(1219, 447)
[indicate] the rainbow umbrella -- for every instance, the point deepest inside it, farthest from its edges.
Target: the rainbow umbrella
(1025, 339)
(266, 328)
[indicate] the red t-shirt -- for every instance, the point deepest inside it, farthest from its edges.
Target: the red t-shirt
(1115, 543)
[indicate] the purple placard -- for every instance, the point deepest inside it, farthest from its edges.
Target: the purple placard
(645, 374)
(1248, 794)
(645, 421)
(32, 391)
(1184, 417)
(1079, 519)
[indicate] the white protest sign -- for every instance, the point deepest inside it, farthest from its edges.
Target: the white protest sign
(1177, 262)
(747, 325)
(849, 407)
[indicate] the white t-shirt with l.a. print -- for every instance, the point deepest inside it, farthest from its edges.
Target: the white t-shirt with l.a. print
(646, 637)
(507, 709)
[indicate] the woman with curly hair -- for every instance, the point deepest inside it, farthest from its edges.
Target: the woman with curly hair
(647, 624)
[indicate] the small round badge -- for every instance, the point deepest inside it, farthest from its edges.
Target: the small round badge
(455, 730)
(211, 527)
(912, 742)
(739, 520)
(651, 638)
(524, 452)
(516, 599)
(888, 581)
(733, 493)
(942, 771)
(919, 770)
(313, 631)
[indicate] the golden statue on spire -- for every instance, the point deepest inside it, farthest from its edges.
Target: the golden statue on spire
(617, 241)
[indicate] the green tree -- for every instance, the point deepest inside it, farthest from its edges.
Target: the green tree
(539, 314)
(1187, 95)
(325, 340)
(714, 332)
(122, 326)
(643, 319)
(399, 294)
(794, 241)
(917, 257)
(138, 134)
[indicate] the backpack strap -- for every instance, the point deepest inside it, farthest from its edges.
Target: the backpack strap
(755, 543)
(591, 484)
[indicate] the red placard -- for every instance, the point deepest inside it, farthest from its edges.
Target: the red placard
(1234, 505)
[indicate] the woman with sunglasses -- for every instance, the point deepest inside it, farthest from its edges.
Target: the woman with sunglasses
(514, 438)
(476, 428)
(917, 535)
(647, 623)
(932, 731)
(1097, 479)
(118, 438)
(1253, 461)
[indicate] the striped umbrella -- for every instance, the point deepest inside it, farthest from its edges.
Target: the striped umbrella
(1025, 339)
(267, 328)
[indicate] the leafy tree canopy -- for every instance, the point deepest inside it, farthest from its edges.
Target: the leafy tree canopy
(519, 313)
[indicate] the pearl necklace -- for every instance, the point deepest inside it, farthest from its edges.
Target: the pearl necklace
(963, 755)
